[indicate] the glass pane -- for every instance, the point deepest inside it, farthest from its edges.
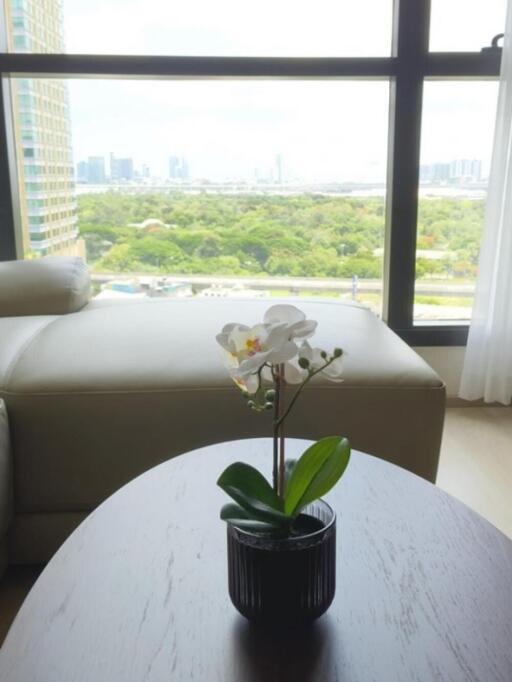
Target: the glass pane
(210, 188)
(202, 27)
(465, 25)
(456, 148)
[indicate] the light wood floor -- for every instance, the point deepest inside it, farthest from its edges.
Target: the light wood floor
(476, 461)
(475, 467)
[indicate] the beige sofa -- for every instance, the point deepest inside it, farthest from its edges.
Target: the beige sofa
(97, 392)
(5, 486)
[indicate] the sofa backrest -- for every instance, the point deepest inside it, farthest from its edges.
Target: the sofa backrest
(54, 285)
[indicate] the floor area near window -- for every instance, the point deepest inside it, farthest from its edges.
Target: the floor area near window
(476, 461)
(475, 467)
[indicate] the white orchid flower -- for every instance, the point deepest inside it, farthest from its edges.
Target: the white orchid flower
(293, 374)
(247, 349)
(291, 319)
(334, 369)
(248, 384)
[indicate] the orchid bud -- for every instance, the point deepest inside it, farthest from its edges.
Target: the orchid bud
(270, 395)
(337, 352)
(269, 406)
(323, 354)
(303, 363)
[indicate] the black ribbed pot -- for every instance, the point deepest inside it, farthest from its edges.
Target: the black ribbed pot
(290, 580)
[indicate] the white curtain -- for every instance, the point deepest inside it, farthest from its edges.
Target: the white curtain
(487, 371)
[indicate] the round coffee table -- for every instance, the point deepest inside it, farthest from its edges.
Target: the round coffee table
(139, 591)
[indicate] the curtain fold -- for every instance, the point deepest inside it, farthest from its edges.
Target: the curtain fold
(487, 370)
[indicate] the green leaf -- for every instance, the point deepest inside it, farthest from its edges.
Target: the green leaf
(253, 493)
(317, 471)
(241, 518)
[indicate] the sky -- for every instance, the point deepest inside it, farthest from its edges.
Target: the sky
(227, 129)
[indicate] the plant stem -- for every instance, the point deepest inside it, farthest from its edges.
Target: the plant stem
(281, 434)
(311, 374)
(276, 425)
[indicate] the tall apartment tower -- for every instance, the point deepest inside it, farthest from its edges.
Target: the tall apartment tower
(43, 136)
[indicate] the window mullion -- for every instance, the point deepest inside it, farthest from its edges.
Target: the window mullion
(411, 47)
(7, 221)
(151, 66)
(463, 64)
(9, 197)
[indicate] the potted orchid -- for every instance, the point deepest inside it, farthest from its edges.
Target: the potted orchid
(281, 535)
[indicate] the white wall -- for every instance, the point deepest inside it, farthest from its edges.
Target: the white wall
(447, 362)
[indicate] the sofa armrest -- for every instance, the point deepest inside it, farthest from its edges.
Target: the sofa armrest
(47, 286)
(5, 486)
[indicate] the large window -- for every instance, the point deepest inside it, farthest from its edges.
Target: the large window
(279, 150)
(456, 145)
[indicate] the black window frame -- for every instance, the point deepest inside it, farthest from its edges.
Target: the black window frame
(409, 65)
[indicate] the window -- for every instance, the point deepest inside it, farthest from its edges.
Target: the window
(256, 161)
(20, 43)
(247, 196)
(26, 120)
(456, 146)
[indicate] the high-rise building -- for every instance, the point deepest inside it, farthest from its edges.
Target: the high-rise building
(426, 173)
(120, 169)
(82, 171)
(174, 166)
(466, 169)
(476, 169)
(43, 135)
(91, 171)
(440, 172)
(279, 169)
(96, 170)
(184, 169)
(178, 168)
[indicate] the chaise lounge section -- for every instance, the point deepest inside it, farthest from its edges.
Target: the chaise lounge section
(97, 392)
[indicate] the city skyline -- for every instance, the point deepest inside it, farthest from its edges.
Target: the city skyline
(94, 171)
(246, 124)
(462, 170)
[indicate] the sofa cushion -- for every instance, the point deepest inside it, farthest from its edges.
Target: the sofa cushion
(170, 344)
(47, 286)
